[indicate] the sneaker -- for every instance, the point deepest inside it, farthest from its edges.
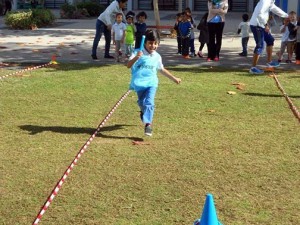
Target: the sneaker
(208, 60)
(255, 70)
(243, 54)
(273, 64)
(200, 54)
(288, 61)
(94, 56)
(109, 57)
(297, 62)
(186, 57)
(148, 130)
(216, 59)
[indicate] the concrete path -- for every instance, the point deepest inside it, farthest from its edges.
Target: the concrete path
(71, 41)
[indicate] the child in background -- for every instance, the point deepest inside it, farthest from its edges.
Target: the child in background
(244, 28)
(141, 28)
(284, 38)
(203, 37)
(185, 31)
(129, 34)
(118, 30)
(192, 36)
(176, 27)
(144, 65)
(298, 43)
(292, 26)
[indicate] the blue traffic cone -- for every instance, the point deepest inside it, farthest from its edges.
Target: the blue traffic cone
(209, 214)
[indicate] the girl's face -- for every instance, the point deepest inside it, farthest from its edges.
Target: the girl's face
(119, 18)
(142, 19)
(129, 20)
(293, 17)
(151, 46)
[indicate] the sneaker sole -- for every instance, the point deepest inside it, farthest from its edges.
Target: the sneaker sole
(148, 134)
(256, 73)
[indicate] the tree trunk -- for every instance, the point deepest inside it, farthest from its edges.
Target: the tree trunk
(156, 15)
(180, 6)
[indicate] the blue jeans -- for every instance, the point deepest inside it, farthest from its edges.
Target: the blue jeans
(245, 44)
(261, 36)
(146, 103)
(101, 28)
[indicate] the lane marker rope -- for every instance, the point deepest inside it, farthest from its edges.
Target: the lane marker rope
(52, 62)
(75, 160)
(25, 70)
(287, 98)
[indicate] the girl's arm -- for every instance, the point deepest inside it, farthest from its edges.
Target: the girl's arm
(166, 73)
(134, 59)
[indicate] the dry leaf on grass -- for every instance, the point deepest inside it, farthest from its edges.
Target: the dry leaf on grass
(231, 92)
(210, 110)
(140, 143)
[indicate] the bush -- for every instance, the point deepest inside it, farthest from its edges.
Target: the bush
(29, 19)
(67, 10)
(43, 17)
(93, 8)
(20, 20)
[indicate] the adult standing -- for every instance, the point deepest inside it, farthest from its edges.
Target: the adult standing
(217, 9)
(8, 6)
(261, 32)
(104, 25)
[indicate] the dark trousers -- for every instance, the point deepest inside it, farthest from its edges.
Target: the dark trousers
(298, 51)
(101, 28)
(192, 45)
(179, 45)
(201, 46)
(215, 31)
(245, 44)
(185, 46)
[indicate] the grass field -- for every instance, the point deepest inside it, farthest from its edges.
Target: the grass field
(242, 148)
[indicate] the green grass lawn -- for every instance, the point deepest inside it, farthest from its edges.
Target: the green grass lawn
(243, 148)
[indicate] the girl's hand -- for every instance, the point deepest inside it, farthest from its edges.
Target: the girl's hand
(177, 80)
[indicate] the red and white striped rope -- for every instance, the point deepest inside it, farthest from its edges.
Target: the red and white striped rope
(25, 70)
(287, 98)
(71, 166)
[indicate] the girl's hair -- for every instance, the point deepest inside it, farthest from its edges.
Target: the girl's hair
(123, 1)
(119, 14)
(205, 16)
(141, 14)
(245, 17)
(152, 35)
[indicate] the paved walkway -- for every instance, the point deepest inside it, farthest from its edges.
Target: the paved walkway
(72, 41)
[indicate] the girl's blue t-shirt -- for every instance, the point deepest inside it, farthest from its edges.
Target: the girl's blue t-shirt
(144, 70)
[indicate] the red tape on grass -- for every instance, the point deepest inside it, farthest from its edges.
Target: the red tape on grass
(71, 166)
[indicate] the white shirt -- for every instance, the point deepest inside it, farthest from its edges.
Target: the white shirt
(119, 29)
(108, 17)
(245, 29)
(285, 34)
(260, 15)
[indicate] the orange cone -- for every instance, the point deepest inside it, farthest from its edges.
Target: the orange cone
(53, 59)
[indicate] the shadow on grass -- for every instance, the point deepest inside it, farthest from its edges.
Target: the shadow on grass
(35, 129)
(268, 95)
